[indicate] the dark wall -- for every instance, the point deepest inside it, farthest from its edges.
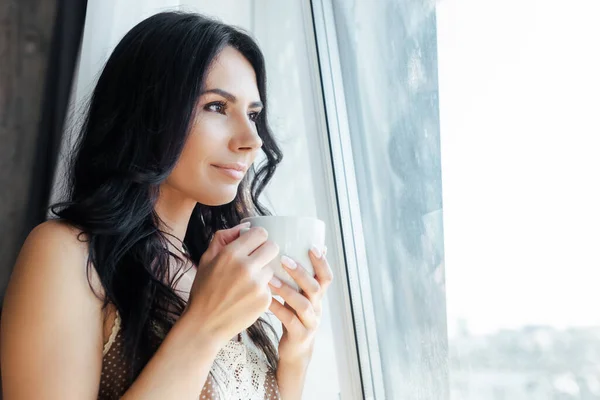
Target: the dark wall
(25, 44)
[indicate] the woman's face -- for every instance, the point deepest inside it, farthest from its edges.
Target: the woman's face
(223, 140)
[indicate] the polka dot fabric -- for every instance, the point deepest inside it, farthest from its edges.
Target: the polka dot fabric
(112, 380)
(237, 373)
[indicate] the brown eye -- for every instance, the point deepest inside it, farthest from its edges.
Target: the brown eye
(218, 106)
(254, 116)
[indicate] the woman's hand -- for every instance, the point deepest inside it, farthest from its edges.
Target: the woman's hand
(301, 314)
(231, 288)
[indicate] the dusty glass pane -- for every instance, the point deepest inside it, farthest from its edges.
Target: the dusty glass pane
(388, 56)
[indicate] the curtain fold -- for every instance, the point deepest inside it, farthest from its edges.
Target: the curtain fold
(39, 52)
(66, 42)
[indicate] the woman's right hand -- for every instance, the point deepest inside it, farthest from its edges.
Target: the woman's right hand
(231, 287)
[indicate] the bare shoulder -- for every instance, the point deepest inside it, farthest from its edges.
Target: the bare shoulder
(58, 232)
(51, 326)
(61, 249)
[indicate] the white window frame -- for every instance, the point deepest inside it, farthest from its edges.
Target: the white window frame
(355, 286)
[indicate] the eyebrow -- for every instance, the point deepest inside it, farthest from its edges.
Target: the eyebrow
(231, 97)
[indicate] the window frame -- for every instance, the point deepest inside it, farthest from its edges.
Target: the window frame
(356, 287)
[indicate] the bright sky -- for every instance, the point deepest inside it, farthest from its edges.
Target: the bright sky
(520, 130)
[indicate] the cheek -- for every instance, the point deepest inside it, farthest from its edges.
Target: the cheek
(188, 169)
(194, 159)
(208, 137)
(206, 144)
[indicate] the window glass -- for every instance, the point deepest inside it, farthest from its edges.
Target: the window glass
(519, 127)
(388, 58)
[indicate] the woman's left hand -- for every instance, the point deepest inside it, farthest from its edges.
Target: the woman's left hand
(301, 314)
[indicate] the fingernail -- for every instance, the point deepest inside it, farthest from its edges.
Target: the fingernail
(316, 252)
(288, 262)
(245, 225)
(324, 250)
(275, 282)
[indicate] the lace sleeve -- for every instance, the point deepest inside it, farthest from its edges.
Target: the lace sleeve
(239, 372)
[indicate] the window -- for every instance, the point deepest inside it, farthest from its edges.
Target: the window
(379, 63)
(515, 142)
(518, 85)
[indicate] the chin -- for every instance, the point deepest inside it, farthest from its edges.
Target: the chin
(219, 197)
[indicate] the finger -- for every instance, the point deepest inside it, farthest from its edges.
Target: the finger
(249, 241)
(222, 238)
(323, 272)
(226, 236)
(264, 276)
(301, 305)
(290, 321)
(263, 255)
(307, 283)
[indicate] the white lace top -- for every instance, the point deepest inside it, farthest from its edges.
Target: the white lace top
(239, 371)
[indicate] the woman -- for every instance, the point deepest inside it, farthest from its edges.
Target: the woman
(143, 288)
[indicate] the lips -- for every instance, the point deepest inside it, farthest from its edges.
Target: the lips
(233, 170)
(235, 166)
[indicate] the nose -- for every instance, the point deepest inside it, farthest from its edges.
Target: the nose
(246, 137)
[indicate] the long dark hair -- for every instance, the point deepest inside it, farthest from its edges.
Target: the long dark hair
(131, 138)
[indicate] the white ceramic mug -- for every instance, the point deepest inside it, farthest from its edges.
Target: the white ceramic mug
(294, 236)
